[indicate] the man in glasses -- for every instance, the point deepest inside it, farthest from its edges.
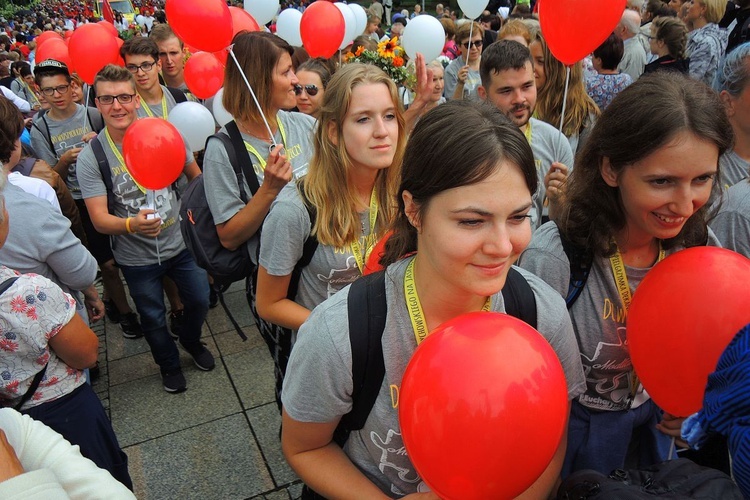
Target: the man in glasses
(141, 56)
(462, 74)
(58, 136)
(135, 222)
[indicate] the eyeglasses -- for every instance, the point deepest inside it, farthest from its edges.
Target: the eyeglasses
(110, 99)
(60, 89)
(476, 44)
(146, 67)
(312, 90)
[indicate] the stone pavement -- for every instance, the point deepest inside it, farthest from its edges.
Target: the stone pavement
(218, 440)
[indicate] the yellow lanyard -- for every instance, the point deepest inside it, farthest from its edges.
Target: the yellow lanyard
(30, 92)
(527, 132)
(121, 159)
(254, 152)
(621, 281)
(369, 241)
(416, 314)
(164, 112)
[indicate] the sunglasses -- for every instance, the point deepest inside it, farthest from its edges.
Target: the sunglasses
(312, 90)
(476, 44)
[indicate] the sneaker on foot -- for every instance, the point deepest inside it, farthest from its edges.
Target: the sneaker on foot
(176, 320)
(113, 315)
(131, 328)
(202, 357)
(174, 381)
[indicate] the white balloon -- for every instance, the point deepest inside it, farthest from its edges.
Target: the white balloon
(194, 122)
(287, 26)
(350, 23)
(423, 34)
(361, 16)
(221, 115)
(263, 11)
(473, 8)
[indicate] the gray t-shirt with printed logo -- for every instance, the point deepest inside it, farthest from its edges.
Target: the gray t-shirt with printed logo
(285, 231)
(222, 191)
(65, 134)
(134, 249)
(318, 382)
(598, 317)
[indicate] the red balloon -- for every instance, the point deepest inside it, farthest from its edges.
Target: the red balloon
(110, 27)
(574, 28)
(120, 61)
(92, 47)
(204, 24)
(222, 56)
(683, 315)
(373, 261)
(242, 21)
(482, 407)
(322, 29)
(54, 48)
(154, 152)
(204, 75)
(47, 35)
(68, 34)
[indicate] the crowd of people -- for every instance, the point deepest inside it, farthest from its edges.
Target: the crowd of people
(496, 162)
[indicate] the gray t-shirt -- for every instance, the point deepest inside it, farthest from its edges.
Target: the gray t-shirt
(473, 80)
(549, 145)
(598, 317)
(732, 223)
(66, 134)
(733, 169)
(318, 382)
(156, 109)
(133, 249)
(222, 191)
(284, 233)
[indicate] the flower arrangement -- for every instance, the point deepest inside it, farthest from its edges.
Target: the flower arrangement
(388, 57)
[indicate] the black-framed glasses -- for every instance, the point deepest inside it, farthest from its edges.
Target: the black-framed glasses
(60, 89)
(476, 44)
(312, 90)
(110, 99)
(146, 67)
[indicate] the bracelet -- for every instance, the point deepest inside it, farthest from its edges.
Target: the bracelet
(127, 225)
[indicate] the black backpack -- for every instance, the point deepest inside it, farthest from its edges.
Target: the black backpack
(674, 479)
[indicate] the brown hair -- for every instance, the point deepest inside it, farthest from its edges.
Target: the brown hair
(11, 126)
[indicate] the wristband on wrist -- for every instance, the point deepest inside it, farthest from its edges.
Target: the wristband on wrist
(127, 225)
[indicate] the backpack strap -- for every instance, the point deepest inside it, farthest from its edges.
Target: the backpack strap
(519, 298)
(106, 172)
(47, 135)
(24, 167)
(308, 249)
(367, 309)
(242, 157)
(581, 260)
(99, 125)
(178, 95)
(226, 141)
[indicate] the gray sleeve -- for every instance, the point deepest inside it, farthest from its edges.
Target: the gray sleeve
(222, 191)
(89, 176)
(41, 144)
(732, 229)
(283, 238)
(318, 383)
(545, 258)
(451, 80)
(71, 262)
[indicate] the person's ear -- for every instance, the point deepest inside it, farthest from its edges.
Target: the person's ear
(482, 93)
(411, 209)
(728, 102)
(333, 135)
(608, 174)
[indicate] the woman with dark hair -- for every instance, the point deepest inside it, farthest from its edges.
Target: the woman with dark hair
(461, 222)
(266, 62)
(23, 85)
(607, 82)
(313, 76)
(638, 193)
(668, 41)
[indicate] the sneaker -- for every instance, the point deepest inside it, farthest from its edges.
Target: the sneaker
(202, 357)
(176, 319)
(174, 381)
(131, 328)
(213, 298)
(113, 315)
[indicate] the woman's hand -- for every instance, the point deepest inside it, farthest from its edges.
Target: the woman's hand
(463, 74)
(672, 426)
(278, 171)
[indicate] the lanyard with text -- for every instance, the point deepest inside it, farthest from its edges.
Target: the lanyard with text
(29, 92)
(414, 307)
(356, 249)
(621, 281)
(254, 152)
(121, 159)
(164, 112)
(527, 132)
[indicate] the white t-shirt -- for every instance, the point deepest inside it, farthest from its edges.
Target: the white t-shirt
(36, 187)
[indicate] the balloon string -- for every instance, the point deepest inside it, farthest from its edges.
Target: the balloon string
(565, 97)
(468, 49)
(671, 448)
(252, 93)
(86, 103)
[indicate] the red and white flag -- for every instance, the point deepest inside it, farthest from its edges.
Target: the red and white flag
(107, 12)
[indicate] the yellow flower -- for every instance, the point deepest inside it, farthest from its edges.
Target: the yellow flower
(388, 48)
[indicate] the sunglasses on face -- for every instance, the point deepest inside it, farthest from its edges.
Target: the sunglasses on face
(312, 90)
(476, 44)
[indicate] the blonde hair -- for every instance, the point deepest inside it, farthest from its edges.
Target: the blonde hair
(515, 27)
(328, 185)
(715, 9)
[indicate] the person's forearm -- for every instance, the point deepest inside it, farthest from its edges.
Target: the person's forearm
(61, 167)
(545, 485)
(113, 225)
(458, 93)
(245, 223)
(286, 313)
